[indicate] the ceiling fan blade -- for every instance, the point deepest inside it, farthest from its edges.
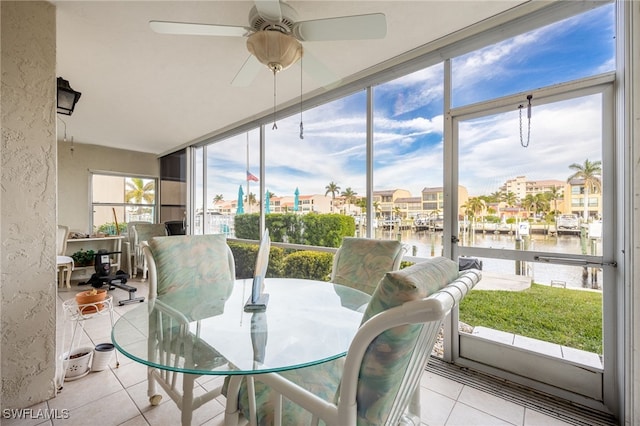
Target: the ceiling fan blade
(356, 27)
(269, 10)
(186, 28)
(318, 70)
(247, 73)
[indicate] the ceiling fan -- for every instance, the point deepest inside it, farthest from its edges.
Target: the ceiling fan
(274, 37)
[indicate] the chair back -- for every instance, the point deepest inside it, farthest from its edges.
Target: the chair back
(61, 240)
(131, 233)
(181, 261)
(147, 231)
(362, 262)
(376, 383)
(403, 318)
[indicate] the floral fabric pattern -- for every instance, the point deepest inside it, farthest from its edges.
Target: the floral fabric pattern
(146, 231)
(191, 262)
(386, 358)
(360, 263)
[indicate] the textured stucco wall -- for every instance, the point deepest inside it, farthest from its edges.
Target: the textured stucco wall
(28, 203)
(74, 164)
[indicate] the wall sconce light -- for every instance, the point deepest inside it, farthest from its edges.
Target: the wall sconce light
(67, 97)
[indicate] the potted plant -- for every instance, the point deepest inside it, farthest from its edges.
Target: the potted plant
(83, 257)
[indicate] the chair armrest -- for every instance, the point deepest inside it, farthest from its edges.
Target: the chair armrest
(317, 406)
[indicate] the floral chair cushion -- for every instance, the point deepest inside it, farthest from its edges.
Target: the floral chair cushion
(361, 262)
(192, 261)
(146, 231)
(386, 358)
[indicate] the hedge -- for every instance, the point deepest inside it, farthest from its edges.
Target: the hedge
(325, 230)
(282, 263)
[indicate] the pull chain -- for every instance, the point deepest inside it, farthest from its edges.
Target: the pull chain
(301, 126)
(522, 143)
(275, 126)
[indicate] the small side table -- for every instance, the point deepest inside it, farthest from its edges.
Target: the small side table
(78, 314)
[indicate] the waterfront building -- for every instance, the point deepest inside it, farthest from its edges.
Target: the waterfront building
(386, 200)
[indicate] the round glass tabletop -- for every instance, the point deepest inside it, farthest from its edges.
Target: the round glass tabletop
(206, 330)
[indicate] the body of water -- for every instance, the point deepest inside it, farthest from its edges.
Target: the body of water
(426, 244)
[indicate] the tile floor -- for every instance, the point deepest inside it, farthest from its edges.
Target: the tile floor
(117, 396)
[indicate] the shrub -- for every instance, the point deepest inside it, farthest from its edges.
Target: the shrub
(245, 254)
(247, 226)
(308, 264)
(326, 230)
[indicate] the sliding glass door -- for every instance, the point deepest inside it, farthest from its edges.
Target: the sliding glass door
(538, 216)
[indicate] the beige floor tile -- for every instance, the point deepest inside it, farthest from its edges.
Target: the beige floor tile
(463, 415)
(493, 405)
(441, 385)
(138, 420)
(535, 418)
(114, 409)
(216, 421)
(139, 395)
(93, 387)
(169, 414)
(435, 408)
(131, 373)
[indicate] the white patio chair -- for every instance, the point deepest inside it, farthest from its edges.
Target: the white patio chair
(130, 250)
(376, 381)
(64, 263)
(144, 232)
(175, 264)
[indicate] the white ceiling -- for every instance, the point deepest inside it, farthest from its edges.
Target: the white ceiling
(150, 92)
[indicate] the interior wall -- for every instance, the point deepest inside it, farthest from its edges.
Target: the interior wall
(28, 202)
(77, 160)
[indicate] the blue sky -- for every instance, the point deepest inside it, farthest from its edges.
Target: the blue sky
(408, 122)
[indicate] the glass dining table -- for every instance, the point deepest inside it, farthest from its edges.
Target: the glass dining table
(206, 330)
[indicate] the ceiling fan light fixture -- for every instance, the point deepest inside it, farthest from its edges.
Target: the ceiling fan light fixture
(276, 50)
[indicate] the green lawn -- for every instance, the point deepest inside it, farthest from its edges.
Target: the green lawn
(567, 317)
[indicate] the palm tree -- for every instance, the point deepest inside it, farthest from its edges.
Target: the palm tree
(473, 206)
(590, 173)
(250, 199)
(535, 203)
(349, 196)
(138, 191)
(332, 188)
(554, 195)
(509, 198)
(362, 203)
(494, 197)
(376, 208)
(218, 198)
